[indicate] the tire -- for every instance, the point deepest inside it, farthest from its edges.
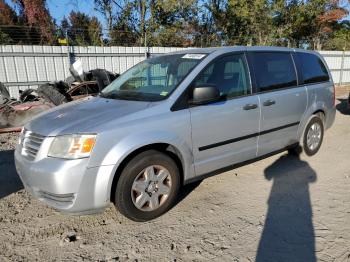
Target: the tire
(27, 96)
(135, 186)
(312, 134)
(4, 93)
(51, 94)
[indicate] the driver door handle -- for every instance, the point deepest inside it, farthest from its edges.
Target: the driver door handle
(269, 102)
(250, 106)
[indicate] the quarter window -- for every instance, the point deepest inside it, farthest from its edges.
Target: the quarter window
(273, 71)
(228, 74)
(312, 68)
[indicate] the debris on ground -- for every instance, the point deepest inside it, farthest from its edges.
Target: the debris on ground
(71, 237)
(247, 208)
(16, 113)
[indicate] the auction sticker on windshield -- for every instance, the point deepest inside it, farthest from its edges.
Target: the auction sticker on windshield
(193, 56)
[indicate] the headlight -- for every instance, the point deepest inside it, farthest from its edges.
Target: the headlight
(72, 146)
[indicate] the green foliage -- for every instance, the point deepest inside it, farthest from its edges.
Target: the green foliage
(124, 31)
(35, 14)
(5, 39)
(81, 29)
(340, 40)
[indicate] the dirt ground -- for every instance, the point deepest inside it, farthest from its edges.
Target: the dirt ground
(283, 208)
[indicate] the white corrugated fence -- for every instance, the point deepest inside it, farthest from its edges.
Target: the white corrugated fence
(23, 67)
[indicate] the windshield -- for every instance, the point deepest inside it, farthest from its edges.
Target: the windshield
(153, 79)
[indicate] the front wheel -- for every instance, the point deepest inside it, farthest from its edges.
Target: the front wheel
(313, 136)
(148, 186)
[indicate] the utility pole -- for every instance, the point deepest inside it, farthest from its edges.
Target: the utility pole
(342, 68)
(68, 52)
(147, 54)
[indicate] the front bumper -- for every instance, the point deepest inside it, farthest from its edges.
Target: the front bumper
(66, 185)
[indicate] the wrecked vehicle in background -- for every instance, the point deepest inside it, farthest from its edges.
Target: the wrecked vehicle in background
(15, 113)
(79, 85)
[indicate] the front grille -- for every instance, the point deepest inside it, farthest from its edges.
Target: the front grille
(31, 143)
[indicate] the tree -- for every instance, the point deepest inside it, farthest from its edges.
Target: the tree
(125, 31)
(172, 22)
(82, 29)
(326, 15)
(241, 22)
(8, 18)
(13, 29)
(105, 7)
(36, 14)
(307, 23)
(340, 39)
(95, 31)
(7, 15)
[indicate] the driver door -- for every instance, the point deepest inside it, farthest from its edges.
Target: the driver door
(225, 132)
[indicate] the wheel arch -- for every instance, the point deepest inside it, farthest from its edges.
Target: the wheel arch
(321, 113)
(165, 148)
(314, 108)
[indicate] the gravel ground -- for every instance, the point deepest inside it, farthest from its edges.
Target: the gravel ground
(8, 141)
(283, 208)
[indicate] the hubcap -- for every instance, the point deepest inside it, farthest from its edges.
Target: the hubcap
(151, 188)
(314, 136)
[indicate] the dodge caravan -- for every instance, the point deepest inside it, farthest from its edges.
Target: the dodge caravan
(173, 119)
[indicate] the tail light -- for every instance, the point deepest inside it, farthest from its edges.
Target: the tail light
(333, 95)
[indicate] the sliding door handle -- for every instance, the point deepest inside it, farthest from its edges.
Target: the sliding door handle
(269, 102)
(250, 106)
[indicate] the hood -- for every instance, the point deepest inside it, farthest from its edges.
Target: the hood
(85, 115)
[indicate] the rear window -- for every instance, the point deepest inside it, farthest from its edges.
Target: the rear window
(312, 68)
(273, 70)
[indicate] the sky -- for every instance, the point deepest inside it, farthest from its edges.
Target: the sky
(60, 8)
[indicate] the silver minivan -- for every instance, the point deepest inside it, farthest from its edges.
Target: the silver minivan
(173, 119)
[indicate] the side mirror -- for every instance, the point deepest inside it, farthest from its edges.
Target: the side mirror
(204, 95)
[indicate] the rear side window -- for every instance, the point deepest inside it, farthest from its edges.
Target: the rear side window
(273, 70)
(312, 68)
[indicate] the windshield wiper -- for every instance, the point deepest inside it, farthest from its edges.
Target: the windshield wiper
(125, 96)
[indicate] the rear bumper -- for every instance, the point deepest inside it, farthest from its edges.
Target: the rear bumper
(330, 117)
(66, 185)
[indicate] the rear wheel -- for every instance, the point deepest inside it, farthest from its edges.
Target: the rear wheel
(148, 186)
(313, 136)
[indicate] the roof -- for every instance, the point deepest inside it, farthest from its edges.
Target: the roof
(239, 48)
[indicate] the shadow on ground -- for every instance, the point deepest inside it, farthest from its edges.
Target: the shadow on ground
(186, 190)
(343, 107)
(288, 233)
(9, 179)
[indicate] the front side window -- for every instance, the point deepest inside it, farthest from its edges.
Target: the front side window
(228, 74)
(312, 68)
(153, 79)
(273, 70)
